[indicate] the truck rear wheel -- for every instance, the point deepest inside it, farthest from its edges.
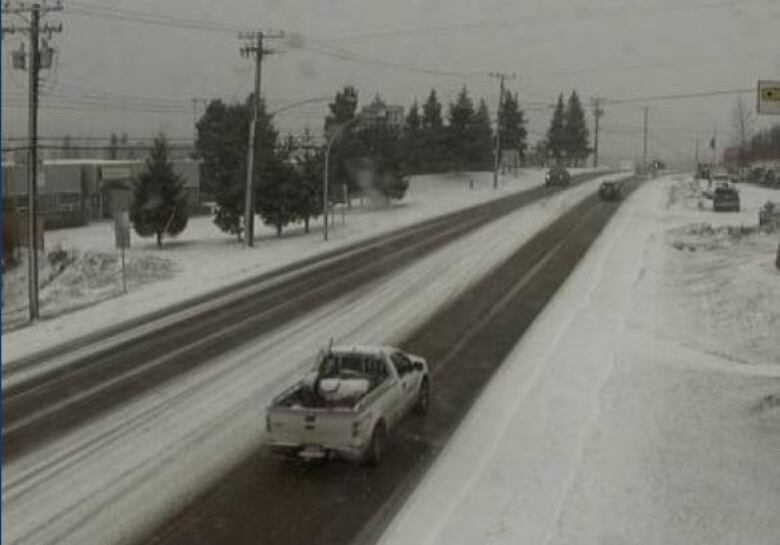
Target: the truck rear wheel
(374, 453)
(423, 398)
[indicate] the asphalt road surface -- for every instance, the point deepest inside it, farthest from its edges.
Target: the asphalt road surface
(266, 500)
(56, 400)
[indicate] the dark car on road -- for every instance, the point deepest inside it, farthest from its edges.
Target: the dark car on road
(610, 190)
(557, 176)
(725, 199)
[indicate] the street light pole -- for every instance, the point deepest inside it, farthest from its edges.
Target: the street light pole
(333, 137)
(325, 187)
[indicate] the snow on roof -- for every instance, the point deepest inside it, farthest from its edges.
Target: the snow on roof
(373, 350)
(106, 162)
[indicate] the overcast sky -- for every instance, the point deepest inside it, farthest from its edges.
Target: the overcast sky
(618, 49)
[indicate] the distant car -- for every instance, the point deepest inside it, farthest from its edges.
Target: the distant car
(557, 176)
(725, 199)
(610, 190)
(769, 214)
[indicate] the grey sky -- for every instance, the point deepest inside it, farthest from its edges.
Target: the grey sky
(625, 49)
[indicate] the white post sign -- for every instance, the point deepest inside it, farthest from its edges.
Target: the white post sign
(122, 229)
(768, 97)
(122, 236)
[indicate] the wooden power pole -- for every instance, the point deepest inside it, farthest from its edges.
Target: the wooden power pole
(34, 64)
(254, 47)
(497, 149)
(598, 111)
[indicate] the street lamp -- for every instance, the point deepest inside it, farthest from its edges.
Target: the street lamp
(333, 137)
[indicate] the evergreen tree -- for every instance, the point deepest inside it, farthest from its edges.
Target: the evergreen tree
(376, 165)
(309, 194)
(461, 118)
(159, 205)
(556, 137)
(278, 194)
(432, 118)
(223, 135)
(512, 126)
(432, 151)
(413, 122)
(412, 141)
(480, 139)
(576, 132)
(342, 109)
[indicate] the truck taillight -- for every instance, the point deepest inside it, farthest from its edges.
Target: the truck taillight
(268, 423)
(355, 428)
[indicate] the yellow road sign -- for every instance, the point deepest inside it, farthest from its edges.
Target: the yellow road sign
(771, 94)
(768, 97)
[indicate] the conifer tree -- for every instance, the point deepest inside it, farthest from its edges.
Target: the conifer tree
(480, 139)
(512, 126)
(576, 131)
(159, 205)
(556, 137)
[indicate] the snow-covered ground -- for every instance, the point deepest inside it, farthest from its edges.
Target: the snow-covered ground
(203, 259)
(155, 452)
(642, 407)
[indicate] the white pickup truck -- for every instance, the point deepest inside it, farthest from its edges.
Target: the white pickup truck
(348, 403)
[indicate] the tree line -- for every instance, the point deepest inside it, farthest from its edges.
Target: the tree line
(370, 155)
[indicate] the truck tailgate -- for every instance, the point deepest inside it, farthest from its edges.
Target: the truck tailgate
(304, 427)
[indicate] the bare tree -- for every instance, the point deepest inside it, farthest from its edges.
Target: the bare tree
(743, 120)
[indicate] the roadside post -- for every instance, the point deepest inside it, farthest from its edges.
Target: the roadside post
(345, 196)
(122, 238)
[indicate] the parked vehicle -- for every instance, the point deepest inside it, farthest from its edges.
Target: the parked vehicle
(769, 215)
(348, 404)
(557, 176)
(725, 198)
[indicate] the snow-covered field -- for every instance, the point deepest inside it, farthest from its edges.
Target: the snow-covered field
(123, 471)
(642, 407)
(203, 259)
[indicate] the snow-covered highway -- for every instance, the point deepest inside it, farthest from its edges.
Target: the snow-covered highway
(185, 433)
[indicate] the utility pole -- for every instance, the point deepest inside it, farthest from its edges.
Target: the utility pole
(714, 146)
(253, 47)
(696, 157)
(36, 61)
(644, 147)
(497, 150)
(598, 111)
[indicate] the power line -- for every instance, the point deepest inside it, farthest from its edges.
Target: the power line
(87, 9)
(680, 96)
(347, 56)
(590, 12)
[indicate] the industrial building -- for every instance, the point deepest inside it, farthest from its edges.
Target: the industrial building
(73, 192)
